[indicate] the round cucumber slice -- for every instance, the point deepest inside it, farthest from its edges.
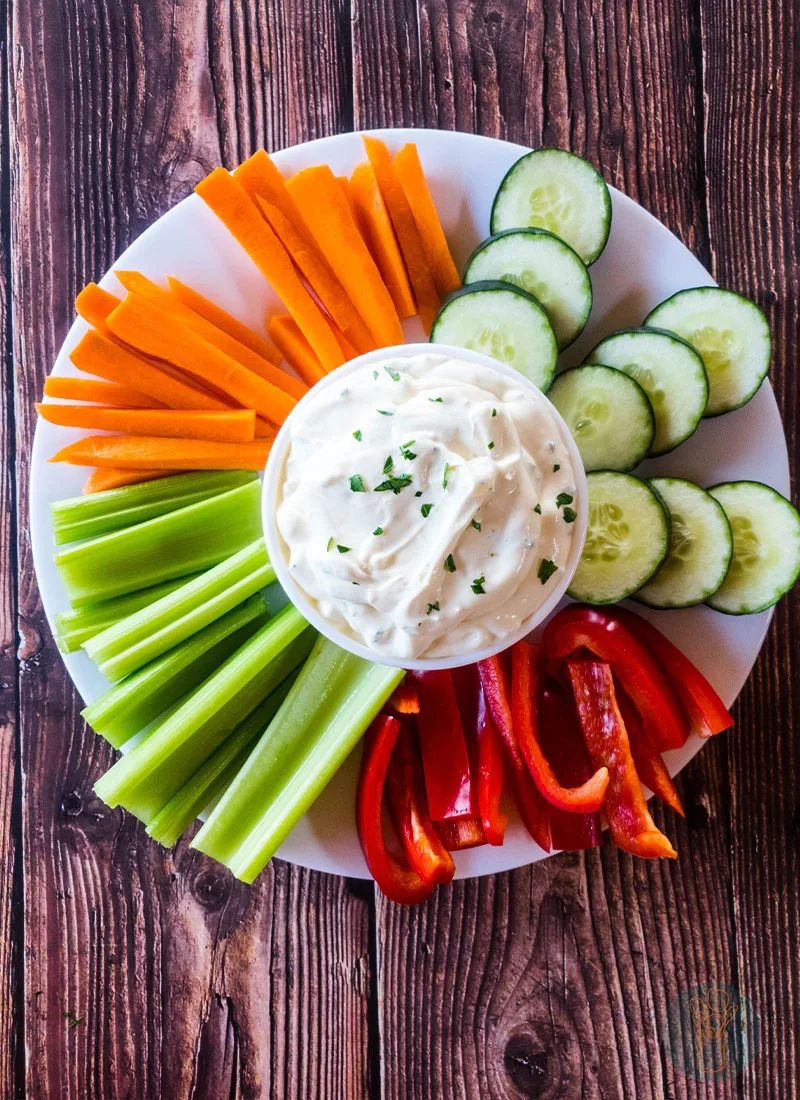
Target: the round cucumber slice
(626, 541)
(766, 547)
(555, 190)
(608, 414)
(503, 321)
(670, 372)
(544, 266)
(730, 333)
(700, 547)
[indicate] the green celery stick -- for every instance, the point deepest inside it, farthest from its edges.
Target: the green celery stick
(73, 628)
(146, 779)
(99, 513)
(181, 542)
(216, 774)
(145, 635)
(331, 704)
(135, 702)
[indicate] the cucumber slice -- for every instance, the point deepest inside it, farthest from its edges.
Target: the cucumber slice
(700, 547)
(627, 538)
(766, 547)
(608, 414)
(503, 321)
(544, 266)
(670, 372)
(555, 190)
(730, 333)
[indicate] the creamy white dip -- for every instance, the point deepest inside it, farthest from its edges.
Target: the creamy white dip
(422, 502)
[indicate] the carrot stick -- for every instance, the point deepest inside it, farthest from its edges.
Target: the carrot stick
(94, 304)
(344, 183)
(111, 477)
(98, 355)
(324, 209)
(143, 325)
(318, 276)
(135, 283)
(262, 179)
(412, 179)
(236, 426)
(144, 452)
(229, 201)
(297, 351)
(406, 229)
(220, 317)
(350, 352)
(101, 393)
(373, 219)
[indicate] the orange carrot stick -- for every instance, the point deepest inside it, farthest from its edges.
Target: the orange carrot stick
(324, 209)
(344, 183)
(415, 186)
(262, 179)
(350, 352)
(375, 224)
(94, 304)
(236, 426)
(111, 477)
(101, 393)
(297, 351)
(220, 317)
(136, 283)
(144, 452)
(96, 354)
(406, 229)
(230, 202)
(143, 325)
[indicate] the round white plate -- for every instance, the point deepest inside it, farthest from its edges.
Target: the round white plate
(642, 264)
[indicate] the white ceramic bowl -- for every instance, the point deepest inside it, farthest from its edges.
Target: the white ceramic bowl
(278, 550)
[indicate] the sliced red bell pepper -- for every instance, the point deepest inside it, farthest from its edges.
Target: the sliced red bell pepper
(650, 768)
(576, 627)
(399, 883)
(461, 833)
(404, 699)
(408, 809)
(563, 745)
(485, 752)
(530, 803)
(632, 828)
(445, 760)
(525, 685)
(707, 713)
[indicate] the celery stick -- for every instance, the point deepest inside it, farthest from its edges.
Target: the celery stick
(216, 774)
(181, 542)
(73, 628)
(99, 513)
(152, 772)
(147, 634)
(330, 706)
(138, 700)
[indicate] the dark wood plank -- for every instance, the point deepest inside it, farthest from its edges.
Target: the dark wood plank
(753, 170)
(148, 972)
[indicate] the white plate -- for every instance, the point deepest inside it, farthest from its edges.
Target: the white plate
(642, 264)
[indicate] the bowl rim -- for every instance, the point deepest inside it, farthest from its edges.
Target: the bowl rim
(273, 477)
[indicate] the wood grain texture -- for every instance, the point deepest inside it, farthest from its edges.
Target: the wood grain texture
(150, 973)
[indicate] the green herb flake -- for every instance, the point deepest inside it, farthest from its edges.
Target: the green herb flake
(570, 515)
(375, 375)
(388, 465)
(449, 564)
(546, 569)
(477, 586)
(562, 499)
(426, 510)
(331, 544)
(436, 401)
(395, 377)
(476, 524)
(378, 531)
(393, 484)
(418, 493)
(406, 452)
(445, 475)
(357, 435)
(491, 446)
(556, 468)
(432, 607)
(343, 549)
(538, 509)
(494, 412)
(357, 484)
(385, 412)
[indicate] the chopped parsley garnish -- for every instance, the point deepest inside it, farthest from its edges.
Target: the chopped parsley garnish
(357, 484)
(445, 475)
(491, 446)
(406, 452)
(378, 531)
(570, 515)
(494, 412)
(388, 464)
(449, 564)
(418, 493)
(357, 435)
(395, 377)
(384, 412)
(343, 549)
(331, 544)
(546, 569)
(375, 375)
(556, 468)
(426, 510)
(432, 607)
(477, 586)
(476, 524)
(436, 401)
(356, 584)
(393, 484)
(538, 509)
(562, 499)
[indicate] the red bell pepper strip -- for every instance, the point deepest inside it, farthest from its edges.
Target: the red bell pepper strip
(632, 828)
(405, 799)
(650, 768)
(445, 759)
(530, 803)
(575, 628)
(460, 833)
(707, 713)
(398, 883)
(562, 742)
(485, 750)
(525, 683)
(405, 699)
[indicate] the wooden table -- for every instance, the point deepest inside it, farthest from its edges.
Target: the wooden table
(128, 971)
